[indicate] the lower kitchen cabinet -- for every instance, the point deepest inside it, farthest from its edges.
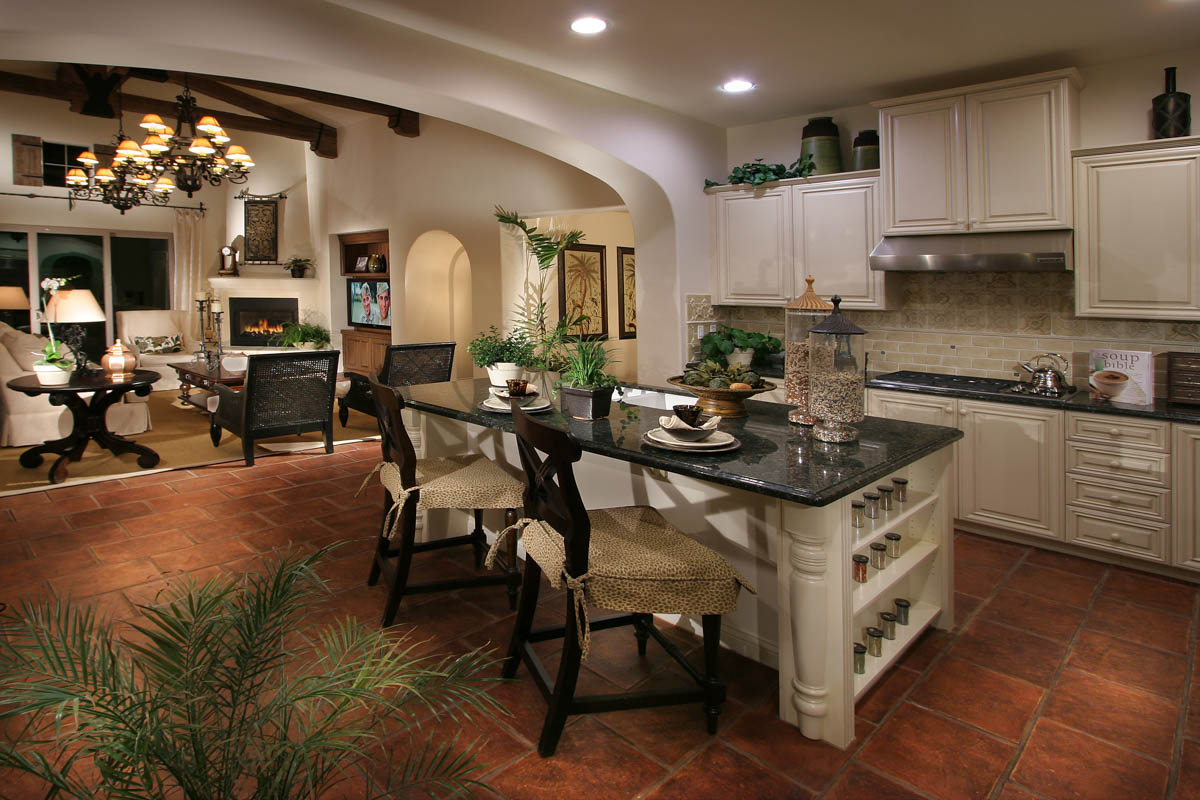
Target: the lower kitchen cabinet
(1186, 481)
(1010, 467)
(910, 407)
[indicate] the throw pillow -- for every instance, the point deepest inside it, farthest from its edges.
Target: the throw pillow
(158, 344)
(26, 348)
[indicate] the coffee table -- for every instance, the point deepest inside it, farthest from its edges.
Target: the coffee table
(88, 417)
(197, 374)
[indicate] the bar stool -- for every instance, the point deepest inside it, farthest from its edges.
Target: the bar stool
(625, 559)
(475, 482)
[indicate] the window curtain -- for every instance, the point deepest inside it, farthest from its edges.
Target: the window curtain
(189, 264)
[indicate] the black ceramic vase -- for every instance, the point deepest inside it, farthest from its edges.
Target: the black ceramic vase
(1172, 111)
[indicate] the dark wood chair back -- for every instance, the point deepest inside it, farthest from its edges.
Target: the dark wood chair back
(290, 389)
(407, 364)
(394, 442)
(551, 493)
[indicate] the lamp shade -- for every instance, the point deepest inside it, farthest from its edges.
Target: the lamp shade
(74, 305)
(13, 298)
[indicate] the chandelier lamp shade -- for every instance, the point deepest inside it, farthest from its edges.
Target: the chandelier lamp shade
(184, 158)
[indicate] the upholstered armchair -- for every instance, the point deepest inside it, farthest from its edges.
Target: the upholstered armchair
(133, 326)
(284, 393)
(404, 365)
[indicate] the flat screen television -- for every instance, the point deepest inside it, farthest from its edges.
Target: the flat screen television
(369, 303)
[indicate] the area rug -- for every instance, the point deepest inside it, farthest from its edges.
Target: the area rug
(180, 437)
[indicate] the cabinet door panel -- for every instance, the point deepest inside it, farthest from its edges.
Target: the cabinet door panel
(1137, 239)
(1011, 467)
(754, 247)
(834, 231)
(924, 169)
(909, 407)
(1017, 157)
(1186, 483)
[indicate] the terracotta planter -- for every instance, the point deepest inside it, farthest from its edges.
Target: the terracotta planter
(503, 371)
(586, 403)
(48, 375)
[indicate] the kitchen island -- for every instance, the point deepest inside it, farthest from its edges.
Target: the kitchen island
(778, 508)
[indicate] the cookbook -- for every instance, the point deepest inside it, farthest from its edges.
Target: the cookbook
(1124, 376)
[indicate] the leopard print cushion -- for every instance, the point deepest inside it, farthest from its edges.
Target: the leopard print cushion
(158, 344)
(473, 481)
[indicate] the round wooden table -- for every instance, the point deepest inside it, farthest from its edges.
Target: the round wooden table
(88, 415)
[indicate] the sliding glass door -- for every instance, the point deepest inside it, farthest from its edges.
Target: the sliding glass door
(79, 258)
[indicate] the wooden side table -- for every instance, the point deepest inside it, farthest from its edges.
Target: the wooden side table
(196, 374)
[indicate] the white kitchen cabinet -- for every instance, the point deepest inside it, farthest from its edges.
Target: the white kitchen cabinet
(1137, 234)
(911, 407)
(1010, 467)
(754, 247)
(1186, 480)
(766, 241)
(991, 157)
(834, 227)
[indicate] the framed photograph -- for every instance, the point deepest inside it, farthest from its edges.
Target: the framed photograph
(581, 290)
(262, 231)
(361, 264)
(626, 294)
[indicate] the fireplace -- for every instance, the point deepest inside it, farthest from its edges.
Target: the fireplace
(254, 321)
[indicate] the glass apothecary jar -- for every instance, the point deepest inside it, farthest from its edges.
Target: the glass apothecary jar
(837, 376)
(803, 314)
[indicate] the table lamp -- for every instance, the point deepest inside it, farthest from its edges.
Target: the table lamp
(73, 307)
(13, 298)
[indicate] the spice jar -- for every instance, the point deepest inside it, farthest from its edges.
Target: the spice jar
(878, 555)
(860, 658)
(893, 544)
(901, 486)
(874, 642)
(872, 505)
(885, 497)
(857, 512)
(803, 313)
(837, 376)
(887, 621)
(902, 607)
(860, 568)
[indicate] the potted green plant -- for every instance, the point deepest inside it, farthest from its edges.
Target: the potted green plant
(504, 356)
(736, 346)
(297, 265)
(212, 694)
(302, 335)
(587, 389)
(57, 361)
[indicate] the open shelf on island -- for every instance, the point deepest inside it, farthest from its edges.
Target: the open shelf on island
(920, 617)
(881, 580)
(888, 521)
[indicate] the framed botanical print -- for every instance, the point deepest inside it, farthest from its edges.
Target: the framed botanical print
(626, 294)
(581, 290)
(262, 231)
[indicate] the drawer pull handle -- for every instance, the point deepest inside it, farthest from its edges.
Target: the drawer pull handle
(1116, 537)
(948, 409)
(1114, 431)
(1115, 463)
(962, 412)
(1116, 498)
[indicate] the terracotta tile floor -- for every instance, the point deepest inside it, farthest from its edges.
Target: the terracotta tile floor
(1066, 678)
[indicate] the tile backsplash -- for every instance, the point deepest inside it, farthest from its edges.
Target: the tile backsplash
(981, 323)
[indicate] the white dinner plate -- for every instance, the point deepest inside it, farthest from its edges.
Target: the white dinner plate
(717, 441)
(501, 407)
(677, 446)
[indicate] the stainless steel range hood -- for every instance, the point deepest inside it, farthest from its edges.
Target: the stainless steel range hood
(1024, 251)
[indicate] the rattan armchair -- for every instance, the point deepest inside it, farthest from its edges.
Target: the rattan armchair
(404, 365)
(284, 393)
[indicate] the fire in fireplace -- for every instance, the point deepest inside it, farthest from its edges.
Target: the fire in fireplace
(253, 321)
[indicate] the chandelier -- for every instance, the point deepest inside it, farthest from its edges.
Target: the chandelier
(195, 152)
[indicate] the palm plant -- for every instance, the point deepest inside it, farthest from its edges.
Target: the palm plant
(211, 701)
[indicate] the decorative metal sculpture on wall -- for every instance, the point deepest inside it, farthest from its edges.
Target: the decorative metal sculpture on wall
(262, 231)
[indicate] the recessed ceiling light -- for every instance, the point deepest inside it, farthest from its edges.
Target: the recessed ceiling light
(737, 85)
(588, 25)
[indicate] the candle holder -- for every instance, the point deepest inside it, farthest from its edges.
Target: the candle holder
(214, 359)
(202, 304)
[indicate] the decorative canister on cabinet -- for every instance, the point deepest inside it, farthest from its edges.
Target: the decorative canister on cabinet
(1172, 110)
(819, 139)
(837, 377)
(802, 314)
(865, 154)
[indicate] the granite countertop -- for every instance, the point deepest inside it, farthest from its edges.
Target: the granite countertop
(1075, 401)
(776, 458)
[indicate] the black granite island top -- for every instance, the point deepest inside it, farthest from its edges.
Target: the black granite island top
(776, 458)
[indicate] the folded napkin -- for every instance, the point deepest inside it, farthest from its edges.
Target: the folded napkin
(673, 423)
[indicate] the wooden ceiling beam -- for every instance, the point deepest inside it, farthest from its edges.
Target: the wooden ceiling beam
(202, 84)
(401, 120)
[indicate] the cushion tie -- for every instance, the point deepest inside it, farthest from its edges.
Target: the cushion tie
(367, 479)
(389, 476)
(515, 530)
(577, 587)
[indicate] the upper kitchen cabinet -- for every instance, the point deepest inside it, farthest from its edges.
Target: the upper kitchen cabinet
(1137, 234)
(992, 157)
(766, 241)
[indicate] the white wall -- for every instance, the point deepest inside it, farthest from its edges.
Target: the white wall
(279, 166)
(778, 141)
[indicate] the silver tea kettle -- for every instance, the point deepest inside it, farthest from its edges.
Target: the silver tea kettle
(1048, 379)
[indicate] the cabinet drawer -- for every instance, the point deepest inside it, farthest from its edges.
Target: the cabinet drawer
(1183, 361)
(1116, 430)
(1143, 502)
(1117, 464)
(1116, 534)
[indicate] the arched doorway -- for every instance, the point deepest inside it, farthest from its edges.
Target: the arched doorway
(437, 294)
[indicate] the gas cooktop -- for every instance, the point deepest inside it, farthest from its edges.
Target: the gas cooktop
(935, 381)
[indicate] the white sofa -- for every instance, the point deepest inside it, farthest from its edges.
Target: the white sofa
(26, 420)
(131, 324)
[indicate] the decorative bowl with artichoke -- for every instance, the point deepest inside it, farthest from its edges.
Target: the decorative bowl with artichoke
(722, 389)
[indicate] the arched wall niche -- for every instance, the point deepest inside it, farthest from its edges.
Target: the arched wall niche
(438, 296)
